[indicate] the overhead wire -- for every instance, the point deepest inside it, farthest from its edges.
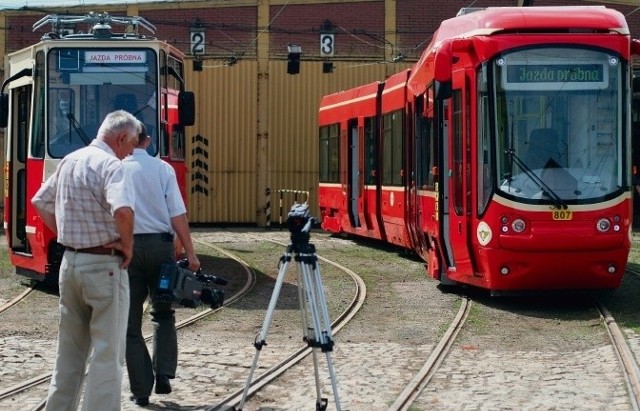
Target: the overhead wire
(224, 29)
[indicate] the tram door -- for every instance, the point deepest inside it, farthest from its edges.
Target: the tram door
(460, 175)
(635, 144)
(16, 186)
(416, 141)
(354, 189)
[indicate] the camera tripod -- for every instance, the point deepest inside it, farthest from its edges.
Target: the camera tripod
(313, 307)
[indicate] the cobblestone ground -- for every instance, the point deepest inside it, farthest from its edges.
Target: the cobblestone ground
(533, 354)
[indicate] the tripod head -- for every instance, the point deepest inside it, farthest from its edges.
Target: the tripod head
(299, 222)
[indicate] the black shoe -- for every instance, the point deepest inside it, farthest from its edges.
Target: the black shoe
(141, 401)
(162, 384)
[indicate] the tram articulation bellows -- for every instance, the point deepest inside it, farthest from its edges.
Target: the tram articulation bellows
(316, 326)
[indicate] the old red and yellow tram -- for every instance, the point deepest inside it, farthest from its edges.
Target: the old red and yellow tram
(502, 157)
(54, 98)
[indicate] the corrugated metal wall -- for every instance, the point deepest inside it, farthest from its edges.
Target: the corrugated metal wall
(223, 144)
(255, 124)
(221, 147)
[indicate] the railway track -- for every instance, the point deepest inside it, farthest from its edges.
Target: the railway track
(622, 354)
(44, 378)
(17, 299)
(210, 375)
(234, 399)
(430, 367)
(628, 361)
(262, 380)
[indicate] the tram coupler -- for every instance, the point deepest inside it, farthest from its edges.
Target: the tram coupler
(321, 405)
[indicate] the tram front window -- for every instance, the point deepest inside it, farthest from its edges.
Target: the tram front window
(84, 85)
(558, 116)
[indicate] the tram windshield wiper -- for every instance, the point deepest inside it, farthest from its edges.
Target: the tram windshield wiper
(546, 190)
(78, 129)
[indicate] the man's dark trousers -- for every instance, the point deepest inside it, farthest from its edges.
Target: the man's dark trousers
(150, 251)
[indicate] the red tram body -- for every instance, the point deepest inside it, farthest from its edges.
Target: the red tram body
(56, 95)
(502, 157)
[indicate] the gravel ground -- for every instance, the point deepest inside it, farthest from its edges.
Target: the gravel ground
(544, 352)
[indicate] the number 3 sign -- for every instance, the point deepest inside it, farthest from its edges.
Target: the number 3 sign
(326, 45)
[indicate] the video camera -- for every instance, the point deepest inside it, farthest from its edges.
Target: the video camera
(299, 222)
(177, 284)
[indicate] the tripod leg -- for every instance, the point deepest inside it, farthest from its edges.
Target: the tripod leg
(327, 333)
(262, 337)
(334, 382)
(321, 326)
(308, 331)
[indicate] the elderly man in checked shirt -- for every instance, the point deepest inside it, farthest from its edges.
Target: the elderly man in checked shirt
(88, 202)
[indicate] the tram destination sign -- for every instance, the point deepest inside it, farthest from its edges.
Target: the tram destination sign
(549, 76)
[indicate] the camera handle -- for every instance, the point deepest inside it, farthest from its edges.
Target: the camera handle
(316, 327)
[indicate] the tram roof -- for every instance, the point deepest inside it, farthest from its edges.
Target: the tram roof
(532, 19)
(517, 20)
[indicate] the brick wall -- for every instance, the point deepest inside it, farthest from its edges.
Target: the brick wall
(358, 26)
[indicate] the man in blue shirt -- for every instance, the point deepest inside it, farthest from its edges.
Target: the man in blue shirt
(160, 213)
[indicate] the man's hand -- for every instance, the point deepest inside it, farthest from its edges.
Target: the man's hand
(127, 252)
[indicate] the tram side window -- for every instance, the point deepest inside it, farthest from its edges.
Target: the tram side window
(177, 135)
(485, 182)
(434, 142)
(172, 135)
(172, 81)
(23, 110)
(164, 139)
(371, 151)
(177, 142)
(329, 154)
(163, 69)
(164, 134)
(37, 136)
(392, 132)
(458, 144)
(424, 134)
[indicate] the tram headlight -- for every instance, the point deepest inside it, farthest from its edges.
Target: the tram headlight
(603, 225)
(616, 223)
(518, 225)
(512, 224)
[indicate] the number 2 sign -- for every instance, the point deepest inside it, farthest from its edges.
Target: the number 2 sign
(197, 41)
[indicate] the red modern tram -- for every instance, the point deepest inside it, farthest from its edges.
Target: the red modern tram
(502, 157)
(53, 100)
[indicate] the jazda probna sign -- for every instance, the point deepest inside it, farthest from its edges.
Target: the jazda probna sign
(115, 57)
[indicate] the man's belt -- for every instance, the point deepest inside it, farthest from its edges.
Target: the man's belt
(102, 250)
(164, 237)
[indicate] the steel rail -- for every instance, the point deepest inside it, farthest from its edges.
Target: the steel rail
(626, 358)
(18, 298)
(423, 377)
(232, 400)
(250, 282)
